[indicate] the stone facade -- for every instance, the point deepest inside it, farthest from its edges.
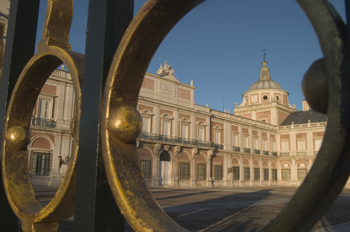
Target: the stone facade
(50, 146)
(184, 144)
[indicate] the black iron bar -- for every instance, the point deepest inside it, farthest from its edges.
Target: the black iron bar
(96, 209)
(19, 48)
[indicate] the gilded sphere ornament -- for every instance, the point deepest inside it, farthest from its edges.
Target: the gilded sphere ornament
(18, 137)
(315, 86)
(125, 124)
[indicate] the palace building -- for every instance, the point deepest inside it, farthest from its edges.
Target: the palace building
(265, 142)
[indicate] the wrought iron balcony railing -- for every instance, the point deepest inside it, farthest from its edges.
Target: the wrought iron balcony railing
(246, 150)
(256, 151)
(175, 139)
(274, 153)
(301, 153)
(50, 123)
(284, 153)
(266, 152)
(237, 149)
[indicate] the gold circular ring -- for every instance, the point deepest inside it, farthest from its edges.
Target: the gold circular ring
(139, 43)
(17, 184)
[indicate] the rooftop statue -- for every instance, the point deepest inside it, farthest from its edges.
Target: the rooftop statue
(165, 70)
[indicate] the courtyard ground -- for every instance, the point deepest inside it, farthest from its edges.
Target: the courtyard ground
(228, 208)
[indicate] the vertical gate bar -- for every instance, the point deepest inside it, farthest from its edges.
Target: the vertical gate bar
(96, 209)
(347, 11)
(19, 48)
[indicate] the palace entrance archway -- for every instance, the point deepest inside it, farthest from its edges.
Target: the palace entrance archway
(164, 168)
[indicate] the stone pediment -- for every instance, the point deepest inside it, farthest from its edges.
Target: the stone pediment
(170, 78)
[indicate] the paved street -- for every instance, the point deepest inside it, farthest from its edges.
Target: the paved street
(228, 209)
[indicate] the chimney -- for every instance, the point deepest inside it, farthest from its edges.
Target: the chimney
(306, 106)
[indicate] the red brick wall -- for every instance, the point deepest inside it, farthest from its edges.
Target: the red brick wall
(184, 94)
(148, 84)
(264, 114)
(48, 89)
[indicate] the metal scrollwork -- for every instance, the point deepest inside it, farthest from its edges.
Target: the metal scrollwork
(53, 49)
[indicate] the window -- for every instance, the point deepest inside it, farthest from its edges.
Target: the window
(255, 143)
(273, 145)
(235, 140)
(201, 172)
(45, 107)
(166, 129)
(184, 130)
(285, 146)
(264, 145)
(318, 143)
(184, 171)
(235, 173)
(146, 168)
(146, 120)
(146, 124)
(217, 137)
(218, 172)
(201, 133)
(301, 145)
(301, 148)
(40, 164)
(246, 174)
(257, 174)
(245, 141)
(285, 174)
(301, 174)
(265, 97)
(274, 174)
(266, 174)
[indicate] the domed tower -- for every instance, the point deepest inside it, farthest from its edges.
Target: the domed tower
(265, 100)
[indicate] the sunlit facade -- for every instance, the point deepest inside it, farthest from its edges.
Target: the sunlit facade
(264, 142)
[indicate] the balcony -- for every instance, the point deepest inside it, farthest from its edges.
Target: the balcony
(237, 149)
(284, 153)
(265, 152)
(246, 150)
(175, 139)
(301, 153)
(43, 122)
(256, 151)
(274, 153)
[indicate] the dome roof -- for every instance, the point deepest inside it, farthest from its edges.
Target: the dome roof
(265, 84)
(265, 81)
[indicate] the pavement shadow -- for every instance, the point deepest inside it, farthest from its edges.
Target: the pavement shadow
(337, 219)
(182, 195)
(234, 212)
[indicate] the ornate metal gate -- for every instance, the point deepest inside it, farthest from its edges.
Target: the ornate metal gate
(99, 180)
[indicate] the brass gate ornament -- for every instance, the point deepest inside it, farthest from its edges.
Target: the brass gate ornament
(121, 123)
(53, 49)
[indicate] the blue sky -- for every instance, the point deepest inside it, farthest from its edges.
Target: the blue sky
(219, 46)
